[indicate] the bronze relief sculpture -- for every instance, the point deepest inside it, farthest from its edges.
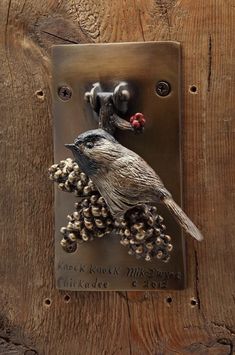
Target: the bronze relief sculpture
(119, 190)
(123, 178)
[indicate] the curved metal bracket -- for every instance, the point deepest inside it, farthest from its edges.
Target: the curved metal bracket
(119, 97)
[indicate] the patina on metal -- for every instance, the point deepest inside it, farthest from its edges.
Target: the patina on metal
(103, 264)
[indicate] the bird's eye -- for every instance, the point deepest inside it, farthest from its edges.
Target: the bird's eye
(89, 145)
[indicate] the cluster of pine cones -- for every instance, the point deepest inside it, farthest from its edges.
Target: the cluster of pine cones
(143, 232)
(70, 178)
(141, 229)
(91, 219)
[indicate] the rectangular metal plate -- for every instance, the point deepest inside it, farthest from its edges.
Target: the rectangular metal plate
(104, 264)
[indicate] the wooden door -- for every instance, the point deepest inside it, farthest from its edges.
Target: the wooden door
(35, 318)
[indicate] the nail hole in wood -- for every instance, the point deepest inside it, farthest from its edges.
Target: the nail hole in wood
(47, 302)
(67, 298)
(40, 94)
(193, 89)
(193, 302)
(169, 300)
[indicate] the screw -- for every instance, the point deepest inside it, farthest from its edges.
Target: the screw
(163, 88)
(64, 93)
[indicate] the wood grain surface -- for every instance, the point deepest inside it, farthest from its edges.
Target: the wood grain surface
(35, 318)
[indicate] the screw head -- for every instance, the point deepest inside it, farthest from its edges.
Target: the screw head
(163, 88)
(65, 93)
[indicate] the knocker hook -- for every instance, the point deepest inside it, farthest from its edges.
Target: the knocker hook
(110, 105)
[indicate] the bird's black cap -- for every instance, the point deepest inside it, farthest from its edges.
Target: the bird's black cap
(93, 135)
(90, 136)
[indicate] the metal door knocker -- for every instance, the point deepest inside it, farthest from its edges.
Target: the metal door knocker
(119, 190)
(118, 193)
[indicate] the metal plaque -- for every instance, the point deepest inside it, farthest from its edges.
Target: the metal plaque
(104, 264)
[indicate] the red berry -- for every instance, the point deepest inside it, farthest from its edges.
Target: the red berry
(132, 119)
(135, 124)
(137, 120)
(138, 115)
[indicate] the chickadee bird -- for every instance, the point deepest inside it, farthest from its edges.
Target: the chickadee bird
(123, 178)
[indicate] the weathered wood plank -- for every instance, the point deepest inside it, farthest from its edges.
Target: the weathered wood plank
(116, 323)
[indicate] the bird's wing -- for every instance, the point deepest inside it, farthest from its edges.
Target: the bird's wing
(132, 182)
(138, 175)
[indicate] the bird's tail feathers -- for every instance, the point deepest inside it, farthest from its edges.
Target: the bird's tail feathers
(188, 226)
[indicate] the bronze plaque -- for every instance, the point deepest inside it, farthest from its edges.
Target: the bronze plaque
(104, 264)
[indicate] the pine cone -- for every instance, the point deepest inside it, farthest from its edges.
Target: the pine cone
(90, 220)
(142, 230)
(69, 177)
(68, 245)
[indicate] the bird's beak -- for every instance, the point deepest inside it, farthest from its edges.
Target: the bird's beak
(72, 147)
